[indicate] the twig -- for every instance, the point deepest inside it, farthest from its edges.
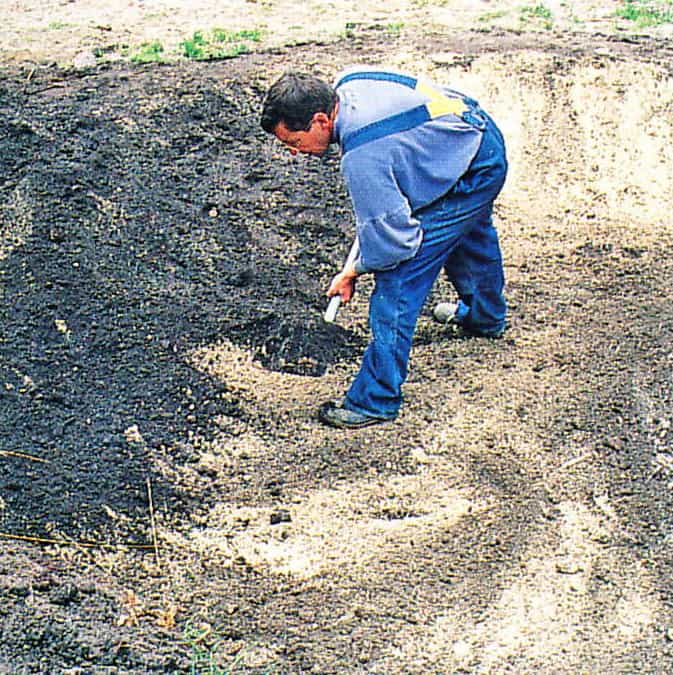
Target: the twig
(574, 462)
(65, 542)
(23, 455)
(56, 85)
(152, 522)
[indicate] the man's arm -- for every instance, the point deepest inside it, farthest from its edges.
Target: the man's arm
(386, 229)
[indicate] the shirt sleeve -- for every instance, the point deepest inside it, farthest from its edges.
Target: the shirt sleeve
(387, 231)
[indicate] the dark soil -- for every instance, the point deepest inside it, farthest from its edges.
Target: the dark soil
(144, 216)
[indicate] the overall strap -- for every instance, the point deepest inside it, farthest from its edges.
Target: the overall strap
(438, 105)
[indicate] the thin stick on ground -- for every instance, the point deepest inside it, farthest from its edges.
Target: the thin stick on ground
(574, 462)
(152, 522)
(67, 542)
(23, 455)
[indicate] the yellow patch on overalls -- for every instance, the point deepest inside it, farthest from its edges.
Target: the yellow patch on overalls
(439, 104)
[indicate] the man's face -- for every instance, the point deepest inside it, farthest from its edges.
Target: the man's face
(313, 141)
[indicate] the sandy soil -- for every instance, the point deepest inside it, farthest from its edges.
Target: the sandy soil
(168, 501)
(61, 30)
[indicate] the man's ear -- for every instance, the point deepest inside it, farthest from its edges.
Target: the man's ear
(321, 118)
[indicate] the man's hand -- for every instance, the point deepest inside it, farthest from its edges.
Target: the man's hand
(343, 284)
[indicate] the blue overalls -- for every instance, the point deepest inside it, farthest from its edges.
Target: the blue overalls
(458, 236)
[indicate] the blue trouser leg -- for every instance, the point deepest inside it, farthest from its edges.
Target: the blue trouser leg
(475, 269)
(394, 307)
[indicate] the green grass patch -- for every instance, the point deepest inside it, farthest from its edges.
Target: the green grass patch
(647, 12)
(539, 13)
(218, 44)
(349, 30)
(204, 644)
(491, 16)
(203, 650)
(426, 3)
(58, 25)
(149, 52)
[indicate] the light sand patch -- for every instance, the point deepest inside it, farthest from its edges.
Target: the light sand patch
(543, 610)
(353, 525)
(238, 370)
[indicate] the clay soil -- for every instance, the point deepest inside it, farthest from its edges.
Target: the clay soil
(169, 502)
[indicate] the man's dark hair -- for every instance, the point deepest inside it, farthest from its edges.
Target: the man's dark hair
(294, 99)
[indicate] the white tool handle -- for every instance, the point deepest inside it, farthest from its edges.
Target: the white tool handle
(335, 300)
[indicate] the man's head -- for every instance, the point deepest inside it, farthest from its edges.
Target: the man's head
(299, 110)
